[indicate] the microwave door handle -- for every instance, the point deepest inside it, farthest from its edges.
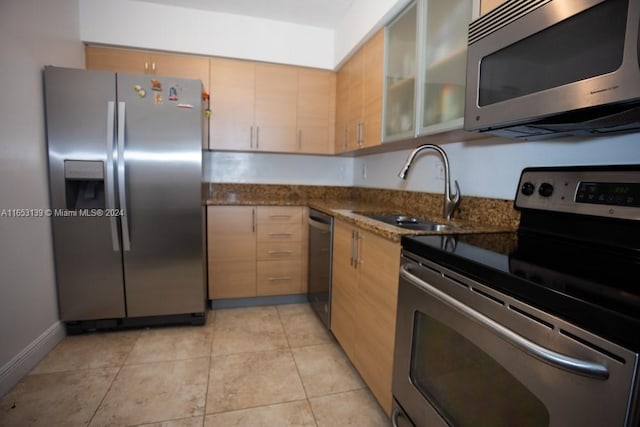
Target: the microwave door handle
(110, 181)
(122, 187)
(553, 358)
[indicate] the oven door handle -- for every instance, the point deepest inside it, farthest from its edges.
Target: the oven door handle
(553, 358)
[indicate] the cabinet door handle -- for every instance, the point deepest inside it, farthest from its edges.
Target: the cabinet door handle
(280, 216)
(251, 137)
(358, 248)
(153, 67)
(253, 220)
(345, 138)
(353, 240)
(280, 252)
(360, 134)
(299, 139)
(279, 279)
(146, 67)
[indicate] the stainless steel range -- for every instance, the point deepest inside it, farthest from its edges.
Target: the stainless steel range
(540, 327)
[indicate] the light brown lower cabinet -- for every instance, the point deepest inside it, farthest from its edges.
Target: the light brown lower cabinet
(363, 304)
(256, 251)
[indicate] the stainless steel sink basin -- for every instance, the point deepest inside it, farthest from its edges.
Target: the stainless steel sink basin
(408, 222)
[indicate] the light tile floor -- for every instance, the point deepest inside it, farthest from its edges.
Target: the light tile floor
(260, 366)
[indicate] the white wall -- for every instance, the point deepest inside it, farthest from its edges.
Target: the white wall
(363, 19)
(152, 26)
(491, 167)
(267, 168)
(33, 33)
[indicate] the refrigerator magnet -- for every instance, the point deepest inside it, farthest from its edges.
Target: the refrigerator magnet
(156, 85)
(173, 94)
(141, 93)
(157, 99)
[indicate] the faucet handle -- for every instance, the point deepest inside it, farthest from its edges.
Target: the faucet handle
(453, 202)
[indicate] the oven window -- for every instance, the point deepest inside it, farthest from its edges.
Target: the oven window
(464, 384)
(550, 59)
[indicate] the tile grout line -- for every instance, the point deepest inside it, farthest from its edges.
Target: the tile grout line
(115, 377)
(206, 393)
(304, 388)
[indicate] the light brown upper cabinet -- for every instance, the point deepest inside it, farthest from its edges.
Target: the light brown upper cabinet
(269, 107)
(316, 111)
(359, 95)
(232, 101)
(488, 5)
(276, 108)
(152, 63)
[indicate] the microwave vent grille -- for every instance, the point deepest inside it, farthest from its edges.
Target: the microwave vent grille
(501, 16)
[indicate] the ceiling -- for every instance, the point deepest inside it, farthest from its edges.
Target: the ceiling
(316, 13)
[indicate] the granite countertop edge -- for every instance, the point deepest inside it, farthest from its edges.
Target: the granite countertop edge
(347, 211)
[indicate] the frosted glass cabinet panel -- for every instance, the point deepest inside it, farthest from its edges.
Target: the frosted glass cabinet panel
(400, 76)
(445, 58)
(425, 68)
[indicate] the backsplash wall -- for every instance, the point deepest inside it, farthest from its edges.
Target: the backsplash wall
(484, 168)
(269, 168)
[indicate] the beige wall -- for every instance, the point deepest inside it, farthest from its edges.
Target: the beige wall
(33, 33)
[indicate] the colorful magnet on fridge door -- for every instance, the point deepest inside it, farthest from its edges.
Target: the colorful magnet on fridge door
(156, 85)
(173, 94)
(157, 99)
(141, 93)
(207, 113)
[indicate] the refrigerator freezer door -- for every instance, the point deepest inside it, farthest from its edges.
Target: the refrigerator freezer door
(88, 262)
(162, 168)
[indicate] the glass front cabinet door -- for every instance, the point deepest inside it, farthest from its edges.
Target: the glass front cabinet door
(439, 66)
(400, 75)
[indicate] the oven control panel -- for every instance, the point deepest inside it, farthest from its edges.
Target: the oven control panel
(612, 192)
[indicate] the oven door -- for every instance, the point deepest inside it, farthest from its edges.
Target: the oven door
(467, 355)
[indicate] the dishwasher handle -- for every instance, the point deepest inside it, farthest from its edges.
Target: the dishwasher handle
(546, 355)
(323, 226)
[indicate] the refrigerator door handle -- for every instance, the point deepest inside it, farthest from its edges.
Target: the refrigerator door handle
(126, 242)
(110, 184)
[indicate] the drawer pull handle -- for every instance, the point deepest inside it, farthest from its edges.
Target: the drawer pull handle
(279, 216)
(280, 234)
(279, 252)
(279, 279)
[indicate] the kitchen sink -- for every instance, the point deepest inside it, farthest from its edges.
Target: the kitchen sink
(408, 222)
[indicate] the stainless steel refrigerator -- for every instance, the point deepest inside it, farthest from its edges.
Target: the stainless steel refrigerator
(125, 167)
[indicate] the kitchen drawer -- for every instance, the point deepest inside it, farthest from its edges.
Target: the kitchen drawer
(268, 232)
(279, 277)
(280, 215)
(279, 250)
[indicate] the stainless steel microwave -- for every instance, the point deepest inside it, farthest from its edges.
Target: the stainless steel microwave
(542, 68)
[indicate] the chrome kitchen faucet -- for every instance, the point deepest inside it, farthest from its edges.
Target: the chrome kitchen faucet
(451, 203)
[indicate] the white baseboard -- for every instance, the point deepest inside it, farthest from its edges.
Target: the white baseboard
(29, 357)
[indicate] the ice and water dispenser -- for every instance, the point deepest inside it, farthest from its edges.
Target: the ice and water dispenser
(84, 184)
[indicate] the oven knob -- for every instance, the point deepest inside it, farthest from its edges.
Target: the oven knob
(527, 188)
(545, 189)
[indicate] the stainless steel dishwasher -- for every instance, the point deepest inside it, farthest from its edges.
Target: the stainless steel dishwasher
(320, 259)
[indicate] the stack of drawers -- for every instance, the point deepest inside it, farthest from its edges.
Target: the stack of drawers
(279, 250)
